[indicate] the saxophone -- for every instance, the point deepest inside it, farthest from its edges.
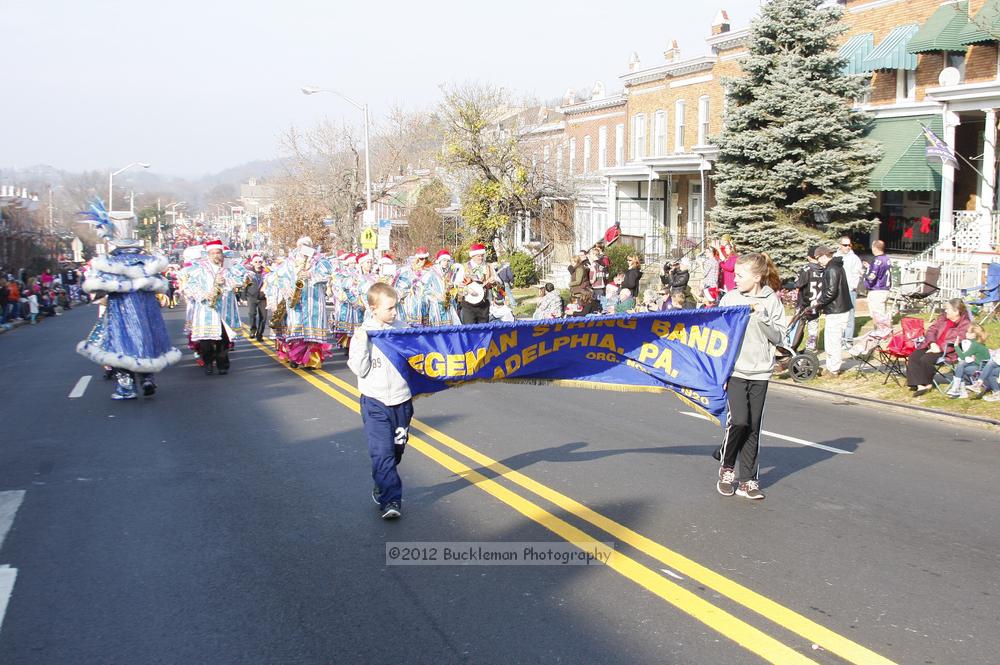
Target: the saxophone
(300, 283)
(279, 316)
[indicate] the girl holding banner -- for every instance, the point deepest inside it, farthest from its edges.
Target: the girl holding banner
(756, 280)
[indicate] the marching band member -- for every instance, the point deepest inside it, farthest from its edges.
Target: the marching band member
(439, 285)
(306, 340)
(211, 286)
(411, 285)
(476, 279)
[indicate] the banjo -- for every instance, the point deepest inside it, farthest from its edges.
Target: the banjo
(474, 293)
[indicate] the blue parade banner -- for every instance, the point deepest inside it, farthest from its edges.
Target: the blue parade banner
(690, 353)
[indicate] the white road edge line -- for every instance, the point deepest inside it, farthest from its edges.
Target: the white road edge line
(783, 437)
(80, 387)
(10, 501)
(7, 577)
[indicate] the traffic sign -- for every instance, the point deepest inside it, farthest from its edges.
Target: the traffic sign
(369, 237)
(328, 222)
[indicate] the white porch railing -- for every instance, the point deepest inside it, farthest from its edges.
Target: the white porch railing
(961, 268)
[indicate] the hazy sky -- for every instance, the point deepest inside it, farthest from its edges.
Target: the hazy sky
(196, 87)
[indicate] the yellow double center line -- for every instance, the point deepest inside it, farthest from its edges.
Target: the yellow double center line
(730, 626)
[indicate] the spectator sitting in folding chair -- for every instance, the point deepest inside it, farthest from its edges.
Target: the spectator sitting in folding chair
(972, 357)
(939, 342)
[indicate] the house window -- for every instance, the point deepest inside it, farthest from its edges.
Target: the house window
(602, 147)
(546, 154)
(639, 137)
(906, 85)
(572, 155)
(619, 144)
(703, 120)
(956, 59)
(660, 133)
(559, 164)
(586, 154)
(679, 126)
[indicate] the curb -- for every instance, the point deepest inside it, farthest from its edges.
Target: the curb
(882, 402)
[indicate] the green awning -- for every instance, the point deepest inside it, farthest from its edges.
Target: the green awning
(891, 53)
(855, 50)
(985, 27)
(904, 166)
(943, 30)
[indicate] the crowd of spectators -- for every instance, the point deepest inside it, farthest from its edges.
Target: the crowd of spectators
(29, 297)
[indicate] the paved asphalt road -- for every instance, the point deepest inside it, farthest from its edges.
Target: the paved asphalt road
(227, 520)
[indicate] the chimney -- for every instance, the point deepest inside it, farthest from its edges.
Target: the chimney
(673, 52)
(598, 91)
(633, 62)
(570, 97)
(721, 23)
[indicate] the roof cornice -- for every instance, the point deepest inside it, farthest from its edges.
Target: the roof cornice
(705, 62)
(729, 40)
(594, 104)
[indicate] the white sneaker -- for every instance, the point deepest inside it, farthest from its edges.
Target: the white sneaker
(992, 397)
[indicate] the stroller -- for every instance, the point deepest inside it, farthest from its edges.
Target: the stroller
(800, 365)
(989, 293)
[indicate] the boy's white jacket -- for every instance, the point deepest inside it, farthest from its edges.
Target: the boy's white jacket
(765, 331)
(377, 377)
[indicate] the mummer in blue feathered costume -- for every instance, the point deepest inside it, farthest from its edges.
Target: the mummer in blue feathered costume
(130, 335)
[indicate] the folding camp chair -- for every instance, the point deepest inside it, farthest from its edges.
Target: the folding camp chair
(893, 357)
(917, 289)
(989, 293)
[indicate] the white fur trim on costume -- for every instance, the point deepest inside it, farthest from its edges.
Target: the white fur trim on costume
(142, 365)
(153, 266)
(156, 284)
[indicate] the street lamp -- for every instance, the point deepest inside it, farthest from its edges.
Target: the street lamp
(312, 90)
(111, 182)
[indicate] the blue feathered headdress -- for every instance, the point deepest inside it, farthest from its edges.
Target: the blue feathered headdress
(98, 216)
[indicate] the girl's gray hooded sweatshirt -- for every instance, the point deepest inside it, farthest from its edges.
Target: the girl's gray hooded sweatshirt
(765, 330)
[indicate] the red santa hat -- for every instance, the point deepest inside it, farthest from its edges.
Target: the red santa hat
(365, 256)
(442, 254)
(477, 249)
(350, 257)
(386, 261)
(342, 255)
(214, 244)
(421, 253)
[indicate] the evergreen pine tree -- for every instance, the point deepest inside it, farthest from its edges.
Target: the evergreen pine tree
(792, 148)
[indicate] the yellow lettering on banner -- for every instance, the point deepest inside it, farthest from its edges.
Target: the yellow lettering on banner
(417, 362)
(512, 364)
(627, 324)
(698, 338)
(539, 331)
(497, 373)
(543, 350)
(648, 351)
(529, 354)
(559, 343)
(455, 365)
(433, 365)
(608, 342)
(679, 333)
(508, 341)
(665, 362)
(717, 344)
(493, 352)
(579, 340)
(474, 360)
(660, 328)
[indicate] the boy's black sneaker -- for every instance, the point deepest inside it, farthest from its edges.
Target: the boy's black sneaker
(148, 387)
(375, 496)
(392, 511)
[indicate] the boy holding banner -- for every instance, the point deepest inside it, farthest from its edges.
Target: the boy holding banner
(386, 404)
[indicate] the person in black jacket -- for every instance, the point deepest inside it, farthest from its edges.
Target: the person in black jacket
(809, 283)
(835, 301)
(256, 300)
(631, 277)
